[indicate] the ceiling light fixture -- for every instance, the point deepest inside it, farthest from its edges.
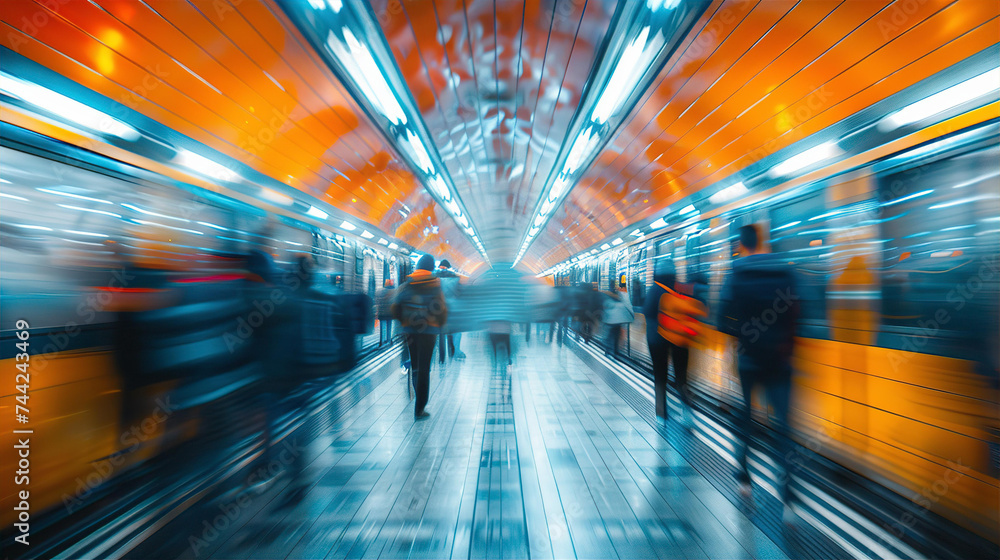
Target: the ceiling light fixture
(204, 166)
(366, 73)
(642, 37)
(350, 40)
(317, 213)
(65, 108)
(940, 102)
(805, 159)
(729, 193)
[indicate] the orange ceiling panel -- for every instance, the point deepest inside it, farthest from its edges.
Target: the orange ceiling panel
(757, 78)
(239, 78)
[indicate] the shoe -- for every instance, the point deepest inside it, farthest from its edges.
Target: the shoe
(788, 516)
(459, 355)
(687, 418)
(422, 415)
(745, 490)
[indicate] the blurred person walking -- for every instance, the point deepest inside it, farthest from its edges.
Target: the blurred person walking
(451, 287)
(421, 310)
(617, 311)
(661, 350)
(500, 336)
(760, 308)
(383, 307)
(271, 341)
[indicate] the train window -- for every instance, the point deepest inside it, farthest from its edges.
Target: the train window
(939, 224)
(636, 277)
(800, 230)
(715, 255)
(664, 250)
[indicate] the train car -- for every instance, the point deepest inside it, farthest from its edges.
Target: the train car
(142, 331)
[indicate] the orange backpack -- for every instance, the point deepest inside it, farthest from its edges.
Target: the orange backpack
(676, 320)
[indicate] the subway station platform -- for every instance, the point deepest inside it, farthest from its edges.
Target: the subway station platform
(557, 456)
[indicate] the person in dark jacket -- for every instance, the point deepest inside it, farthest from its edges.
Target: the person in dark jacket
(422, 312)
(660, 349)
(451, 286)
(383, 304)
(271, 341)
(760, 308)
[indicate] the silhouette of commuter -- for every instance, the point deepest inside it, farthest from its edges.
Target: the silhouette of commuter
(760, 308)
(279, 333)
(617, 311)
(450, 285)
(421, 310)
(662, 350)
(383, 304)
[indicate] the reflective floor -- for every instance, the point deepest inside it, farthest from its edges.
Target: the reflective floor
(553, 457)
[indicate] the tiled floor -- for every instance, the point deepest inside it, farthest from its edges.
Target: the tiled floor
(540, 460)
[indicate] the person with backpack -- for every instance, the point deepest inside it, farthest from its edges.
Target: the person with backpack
(667, 337)
(760, 308)
(421, 310)
(617, 311)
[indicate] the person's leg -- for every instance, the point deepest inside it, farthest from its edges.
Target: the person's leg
(404, 356)
(681, 355)
(410, 352)
(458, 346)
(293, 449)
(744, 425)
(422, 370)
(659, 352)
(779, 397)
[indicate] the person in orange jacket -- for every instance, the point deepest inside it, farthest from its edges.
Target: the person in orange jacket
(421, 310)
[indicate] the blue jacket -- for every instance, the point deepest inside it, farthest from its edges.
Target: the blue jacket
(760, 307)
(651, 306)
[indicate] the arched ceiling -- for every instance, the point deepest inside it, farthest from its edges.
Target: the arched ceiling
(497, 83)
(498, 86)
(750, 79)
(238, 77)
